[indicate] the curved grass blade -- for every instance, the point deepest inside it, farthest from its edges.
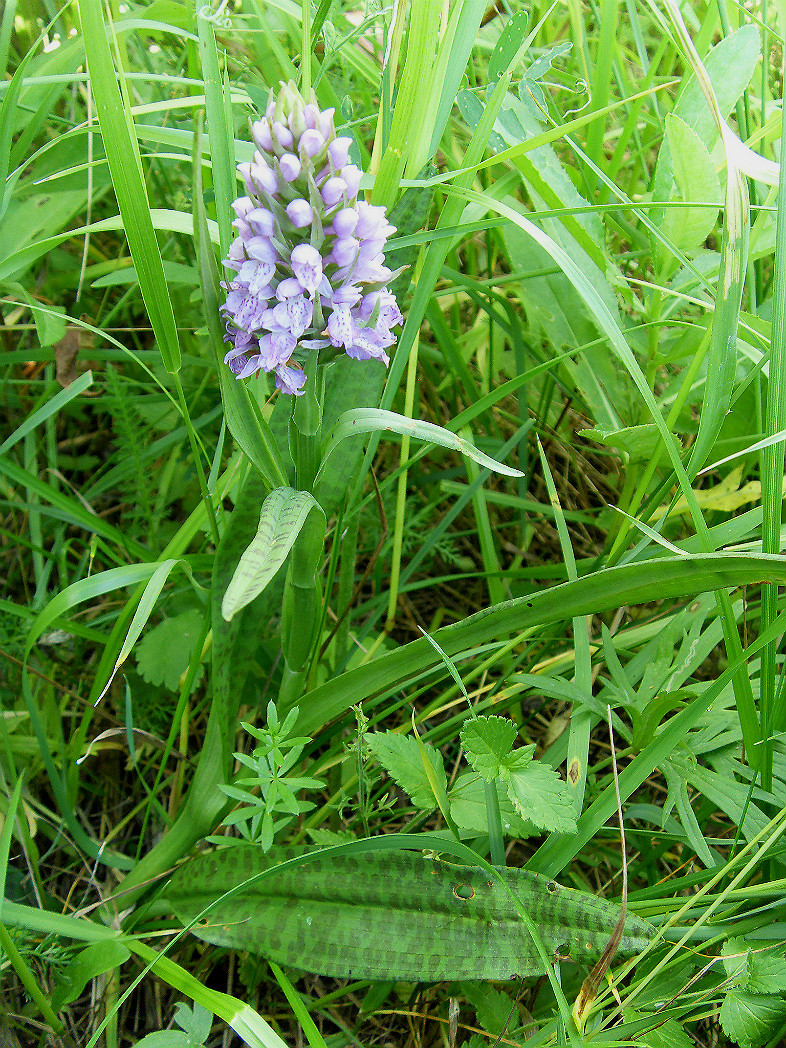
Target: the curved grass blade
(125, 165)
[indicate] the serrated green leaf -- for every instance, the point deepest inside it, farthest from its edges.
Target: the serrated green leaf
(469, 812)
(540, 795)
(494, 1009)
(751, 1019)
(518, 759)
(163, 654)
(487, 741)
(767, 969)
(400, 756)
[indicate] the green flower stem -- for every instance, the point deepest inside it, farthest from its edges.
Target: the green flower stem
(302, 611)
(494, 820)
(292, 687)
(305, 427)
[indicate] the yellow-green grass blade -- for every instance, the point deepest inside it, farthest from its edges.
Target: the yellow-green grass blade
(772, 713)
(580, 718)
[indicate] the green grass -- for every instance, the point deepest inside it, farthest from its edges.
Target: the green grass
(595, 296)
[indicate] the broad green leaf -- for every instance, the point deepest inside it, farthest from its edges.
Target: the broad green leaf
(401, 758)
(357, 913)
(285, 512)
(493, 1008)
(471, 109)
(510, 40)
(166, 1039)
(94, 960)
(637, 442)
(751, 1019)
(541, 796)
(469, 811)
(730, 66)
(164, 652)
(197, 1022)
(487, 741)
(767, 970)
(696, 183)
(50, 321)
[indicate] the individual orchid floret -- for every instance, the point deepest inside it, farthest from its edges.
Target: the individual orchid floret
(307, 263)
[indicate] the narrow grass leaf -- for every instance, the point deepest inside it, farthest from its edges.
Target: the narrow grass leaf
(125, 165)
(637, 583)
(219, 133)
(58, 401)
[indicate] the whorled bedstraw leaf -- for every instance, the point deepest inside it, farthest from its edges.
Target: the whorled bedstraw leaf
(487, 742)
(400, 756)
(540, 795)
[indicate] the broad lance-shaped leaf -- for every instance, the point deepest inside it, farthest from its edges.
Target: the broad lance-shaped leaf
(373, 420)
(393, 915)
(285, 512)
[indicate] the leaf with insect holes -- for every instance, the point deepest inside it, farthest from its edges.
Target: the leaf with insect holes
(401, 758)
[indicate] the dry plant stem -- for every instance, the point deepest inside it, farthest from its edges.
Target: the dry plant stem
(589, 988)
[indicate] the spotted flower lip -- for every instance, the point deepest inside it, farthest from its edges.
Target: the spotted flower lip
(307, 263)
